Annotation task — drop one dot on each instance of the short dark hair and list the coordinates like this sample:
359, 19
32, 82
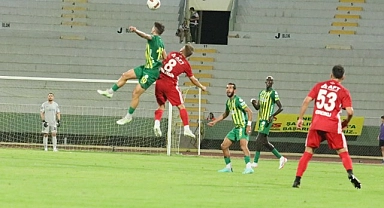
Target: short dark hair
382, 117
51, 93
233, 84
159, 27
192, 9
338, 71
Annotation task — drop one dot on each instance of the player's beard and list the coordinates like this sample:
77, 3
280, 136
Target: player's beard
230, 94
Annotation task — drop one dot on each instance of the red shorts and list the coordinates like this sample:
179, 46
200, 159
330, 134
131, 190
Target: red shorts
165, 91
335, 140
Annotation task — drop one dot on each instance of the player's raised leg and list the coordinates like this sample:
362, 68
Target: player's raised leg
130, 74
137, 92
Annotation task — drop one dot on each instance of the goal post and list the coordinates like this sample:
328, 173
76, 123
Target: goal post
86, 127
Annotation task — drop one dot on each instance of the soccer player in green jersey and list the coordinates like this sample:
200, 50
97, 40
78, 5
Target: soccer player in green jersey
265, 105
242, 119
146, 74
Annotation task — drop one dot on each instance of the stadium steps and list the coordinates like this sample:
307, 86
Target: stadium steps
195, 117
352, 1
195, 100
76, 1
203, 72
72, 37
196, 92
191, 84
202, 67
74, 19
195, 109
343, 21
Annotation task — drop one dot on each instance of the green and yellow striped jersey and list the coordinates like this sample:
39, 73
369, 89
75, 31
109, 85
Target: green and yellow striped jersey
236, 107
153, 52
267, 100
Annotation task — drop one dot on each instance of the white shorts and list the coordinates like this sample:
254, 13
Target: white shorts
48, 129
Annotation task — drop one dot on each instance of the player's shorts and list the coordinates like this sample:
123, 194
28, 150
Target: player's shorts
238, 133
48, 129
171, 92
335, 140
381, 143
146, 76
264, 127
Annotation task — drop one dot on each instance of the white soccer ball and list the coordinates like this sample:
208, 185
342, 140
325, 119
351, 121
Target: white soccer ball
153, 4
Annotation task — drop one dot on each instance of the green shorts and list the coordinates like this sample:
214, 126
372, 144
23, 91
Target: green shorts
238, 133
264, 127
146, 76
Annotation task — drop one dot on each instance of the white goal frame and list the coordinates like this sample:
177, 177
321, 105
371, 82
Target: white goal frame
170, 110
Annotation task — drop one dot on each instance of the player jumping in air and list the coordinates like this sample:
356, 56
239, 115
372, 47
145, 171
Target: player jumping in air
167, 86
330, 98
146, 74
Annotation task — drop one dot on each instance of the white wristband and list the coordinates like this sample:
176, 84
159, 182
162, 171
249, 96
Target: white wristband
249, 123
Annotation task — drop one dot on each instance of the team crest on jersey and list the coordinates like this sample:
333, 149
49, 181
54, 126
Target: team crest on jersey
242, 103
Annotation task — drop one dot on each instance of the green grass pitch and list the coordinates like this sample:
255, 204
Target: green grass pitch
32, 178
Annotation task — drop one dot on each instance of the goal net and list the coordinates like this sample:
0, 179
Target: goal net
87, 127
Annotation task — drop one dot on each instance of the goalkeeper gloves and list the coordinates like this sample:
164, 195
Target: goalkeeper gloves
45, 124
58, 123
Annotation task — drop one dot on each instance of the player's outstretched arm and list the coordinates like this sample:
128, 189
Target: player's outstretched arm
220, 118
140, 33
197, 83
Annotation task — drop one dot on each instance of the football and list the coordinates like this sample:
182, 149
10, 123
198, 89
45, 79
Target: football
153, 4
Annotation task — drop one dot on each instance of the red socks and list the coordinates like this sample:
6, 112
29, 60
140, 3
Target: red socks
184, 116
346, 160
158, 114
303, 163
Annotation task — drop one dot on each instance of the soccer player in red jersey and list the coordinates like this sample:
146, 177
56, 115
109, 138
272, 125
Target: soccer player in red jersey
330, 98
167, 87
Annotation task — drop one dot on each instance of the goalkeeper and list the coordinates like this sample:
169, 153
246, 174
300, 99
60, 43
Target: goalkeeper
167, 87
50, 117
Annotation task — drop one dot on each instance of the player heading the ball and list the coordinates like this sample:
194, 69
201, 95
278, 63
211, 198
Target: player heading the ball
147, 74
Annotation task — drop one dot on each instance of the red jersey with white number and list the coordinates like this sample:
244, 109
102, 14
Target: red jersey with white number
330, 97
174, 65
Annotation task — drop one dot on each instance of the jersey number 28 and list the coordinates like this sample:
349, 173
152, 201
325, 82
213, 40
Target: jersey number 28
169, 65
